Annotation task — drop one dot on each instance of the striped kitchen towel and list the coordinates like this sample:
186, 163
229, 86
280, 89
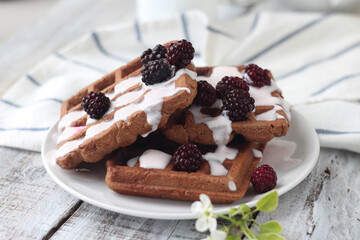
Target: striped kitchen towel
314, 57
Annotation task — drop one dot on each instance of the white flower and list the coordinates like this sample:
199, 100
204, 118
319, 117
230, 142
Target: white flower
216, 235
204, 212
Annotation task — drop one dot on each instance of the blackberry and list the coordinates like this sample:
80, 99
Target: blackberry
259, 76
187, 158
180, 53
156, 71
229, 83
238, 104
95, 104
157, 53
206, 94
263, 179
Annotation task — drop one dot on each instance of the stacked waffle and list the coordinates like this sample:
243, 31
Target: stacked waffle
145, 117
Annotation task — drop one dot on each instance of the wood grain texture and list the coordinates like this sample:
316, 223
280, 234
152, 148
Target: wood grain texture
326, 205
31, 204
90, 222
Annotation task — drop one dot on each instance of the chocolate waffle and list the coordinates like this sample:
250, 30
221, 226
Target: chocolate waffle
210, 126
136, 109
230, 182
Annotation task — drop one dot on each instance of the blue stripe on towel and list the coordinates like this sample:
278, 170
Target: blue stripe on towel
185, 27
331, 132
338, 54
23, 106
25, 129
62, 57
214, 30
335, 83
287, 37
32, 80
104, 51
255, 22
138, 32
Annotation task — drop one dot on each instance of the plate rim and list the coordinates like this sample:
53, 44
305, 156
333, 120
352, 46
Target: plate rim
179, 216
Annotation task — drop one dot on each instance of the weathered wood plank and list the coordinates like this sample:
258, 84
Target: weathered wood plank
66, 21
326, 205
103, 224
31, 204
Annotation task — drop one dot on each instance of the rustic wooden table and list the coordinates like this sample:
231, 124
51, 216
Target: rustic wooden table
326, 205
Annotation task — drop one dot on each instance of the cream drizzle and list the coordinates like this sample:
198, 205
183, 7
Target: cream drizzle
151, 104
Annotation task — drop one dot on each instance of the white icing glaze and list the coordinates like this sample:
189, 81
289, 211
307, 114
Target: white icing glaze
216, 159
68, 132
221, 125
257, 153
232, 186
68, 147
151, 103
67, 119
132, 162
154, 159
221, 153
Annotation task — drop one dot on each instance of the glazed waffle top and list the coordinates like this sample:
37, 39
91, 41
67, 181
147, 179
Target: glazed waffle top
223, 182
136, 109
208, 126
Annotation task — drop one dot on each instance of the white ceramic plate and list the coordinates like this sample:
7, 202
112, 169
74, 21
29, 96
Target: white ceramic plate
90, 185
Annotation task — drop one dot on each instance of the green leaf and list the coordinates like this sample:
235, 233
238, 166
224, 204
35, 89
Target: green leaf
268, 202
270, 227
270, 236
232, 238
244, 208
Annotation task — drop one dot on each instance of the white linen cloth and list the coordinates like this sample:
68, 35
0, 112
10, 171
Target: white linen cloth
315, 59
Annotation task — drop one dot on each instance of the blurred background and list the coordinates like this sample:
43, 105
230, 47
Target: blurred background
17, 15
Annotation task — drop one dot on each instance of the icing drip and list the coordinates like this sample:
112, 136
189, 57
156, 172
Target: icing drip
219, 125
68, 147
216, 159
67, 119
68, 132
151, 104
232, 186
132, 162
154, 159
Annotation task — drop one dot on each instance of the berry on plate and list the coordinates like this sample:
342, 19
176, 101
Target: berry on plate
238, 104
263, 179
228, 83
95, 104
260, 77
157, 53
206, 94
156, 71
187, 158
180, 53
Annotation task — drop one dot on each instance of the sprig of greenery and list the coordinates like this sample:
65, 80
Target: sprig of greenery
242, 217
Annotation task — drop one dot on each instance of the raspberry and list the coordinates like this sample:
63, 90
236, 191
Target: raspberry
206, 94
229, 83
157, 53
180, 53
95, 104
238, 104
187, 158
156, 71
263, 179
259, 76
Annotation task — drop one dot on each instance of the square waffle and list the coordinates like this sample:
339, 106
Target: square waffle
270, 118
126, 178
136, 109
